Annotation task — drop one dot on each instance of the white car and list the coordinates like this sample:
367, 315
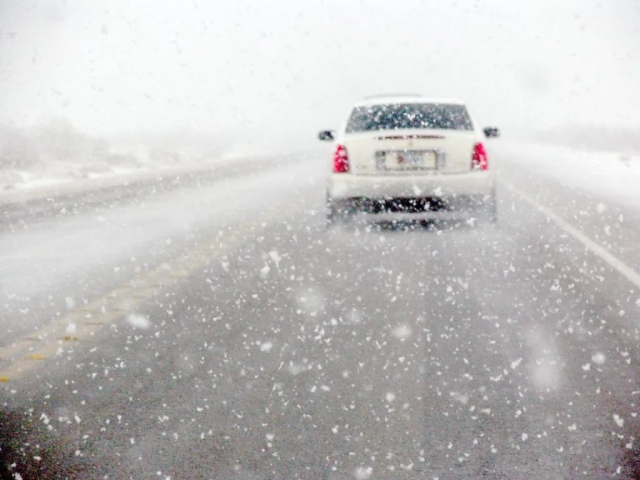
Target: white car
399, 157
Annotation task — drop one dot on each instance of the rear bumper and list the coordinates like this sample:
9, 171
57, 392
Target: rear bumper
398, 209
345, 186
411, 205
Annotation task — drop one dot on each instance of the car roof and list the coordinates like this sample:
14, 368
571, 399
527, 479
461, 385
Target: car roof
405, 98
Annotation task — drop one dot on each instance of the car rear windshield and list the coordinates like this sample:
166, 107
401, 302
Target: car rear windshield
409, 115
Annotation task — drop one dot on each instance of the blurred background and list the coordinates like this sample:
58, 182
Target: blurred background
126, 85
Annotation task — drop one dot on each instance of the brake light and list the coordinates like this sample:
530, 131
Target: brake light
340, 160
479, 159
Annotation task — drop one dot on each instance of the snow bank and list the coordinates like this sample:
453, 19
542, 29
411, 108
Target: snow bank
41, 183
56, 153
60, 172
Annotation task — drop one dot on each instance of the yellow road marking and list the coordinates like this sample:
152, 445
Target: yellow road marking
94, 316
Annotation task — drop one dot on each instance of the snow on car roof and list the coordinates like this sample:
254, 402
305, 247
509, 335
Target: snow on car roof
405, 98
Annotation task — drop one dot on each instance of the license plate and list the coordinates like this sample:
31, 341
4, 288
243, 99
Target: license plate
410, 160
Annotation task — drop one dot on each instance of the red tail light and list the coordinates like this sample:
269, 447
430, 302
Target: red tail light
340, 160
479, 159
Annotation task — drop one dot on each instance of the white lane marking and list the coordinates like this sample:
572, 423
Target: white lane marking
613, 261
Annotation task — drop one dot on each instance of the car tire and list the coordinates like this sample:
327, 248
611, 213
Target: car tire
330, 212
492, 208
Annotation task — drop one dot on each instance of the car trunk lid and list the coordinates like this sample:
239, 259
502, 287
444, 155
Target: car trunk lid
402, 152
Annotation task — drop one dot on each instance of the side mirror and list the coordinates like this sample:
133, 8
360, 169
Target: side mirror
491, 132
326, 135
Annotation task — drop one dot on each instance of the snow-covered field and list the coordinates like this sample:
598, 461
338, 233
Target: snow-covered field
56, 154
613, 175
62, 172
58, 178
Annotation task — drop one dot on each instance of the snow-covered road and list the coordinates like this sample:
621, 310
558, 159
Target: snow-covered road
278, 350
72, 258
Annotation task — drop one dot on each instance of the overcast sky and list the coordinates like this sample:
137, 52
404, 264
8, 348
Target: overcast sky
289, 66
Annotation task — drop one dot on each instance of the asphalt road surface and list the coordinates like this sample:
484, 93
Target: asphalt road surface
216, 330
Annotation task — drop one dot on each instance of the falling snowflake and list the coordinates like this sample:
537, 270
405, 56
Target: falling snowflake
401, 331
618, 419
70, 303
275, 258
362, 473
138, 321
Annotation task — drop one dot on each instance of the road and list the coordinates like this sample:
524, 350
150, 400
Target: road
216, 330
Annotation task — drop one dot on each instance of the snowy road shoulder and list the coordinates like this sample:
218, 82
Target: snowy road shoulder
23, 207
611, 175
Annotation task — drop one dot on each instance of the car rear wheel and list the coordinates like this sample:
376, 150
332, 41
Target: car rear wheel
331, 212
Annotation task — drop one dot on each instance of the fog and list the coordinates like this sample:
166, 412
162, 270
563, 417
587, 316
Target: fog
193, 286
282, 70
